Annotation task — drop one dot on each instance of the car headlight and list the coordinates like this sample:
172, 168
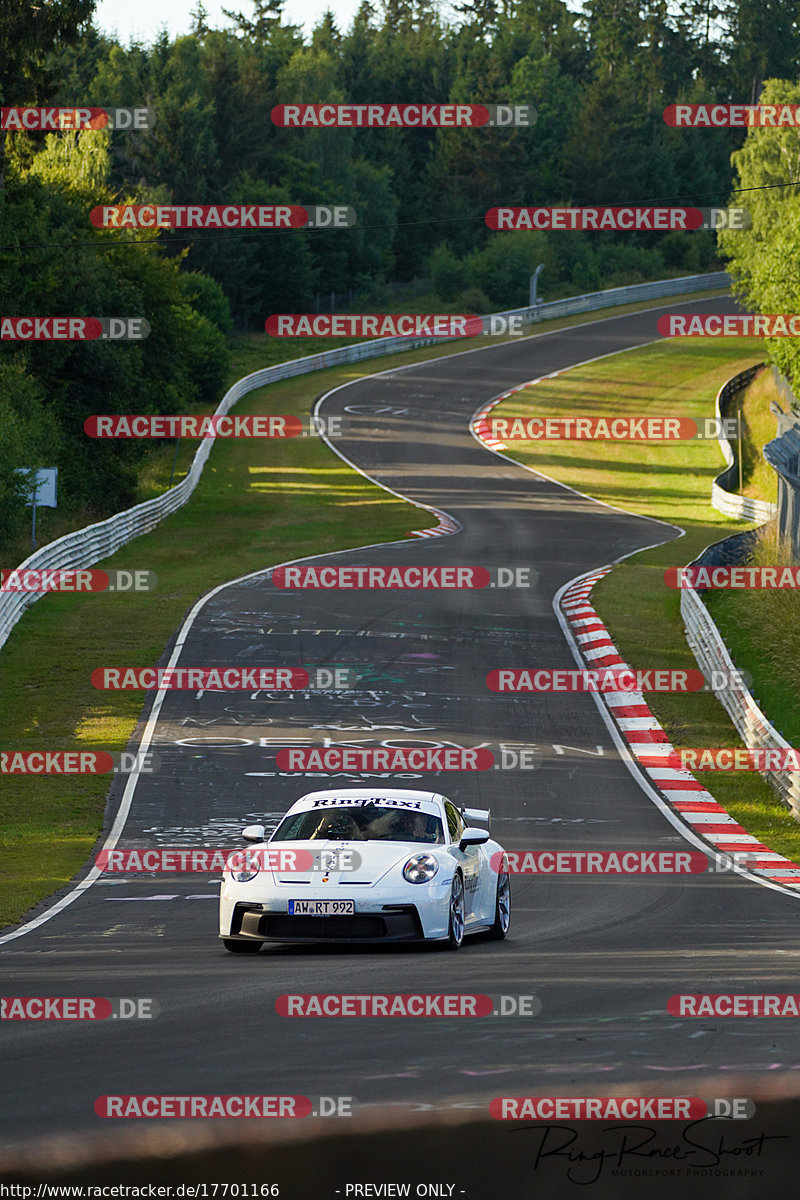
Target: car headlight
420, 868
243, 865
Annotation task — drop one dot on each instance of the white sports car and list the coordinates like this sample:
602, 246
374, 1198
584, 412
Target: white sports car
358, 865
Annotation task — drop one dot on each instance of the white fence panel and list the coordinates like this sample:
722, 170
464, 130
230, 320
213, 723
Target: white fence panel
731, 504
753, 726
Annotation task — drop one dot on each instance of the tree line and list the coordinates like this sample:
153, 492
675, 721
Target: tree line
599, 81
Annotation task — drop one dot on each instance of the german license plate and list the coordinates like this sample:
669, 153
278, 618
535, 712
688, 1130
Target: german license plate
322, 908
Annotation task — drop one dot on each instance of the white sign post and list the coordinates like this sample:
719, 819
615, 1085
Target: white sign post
45, 491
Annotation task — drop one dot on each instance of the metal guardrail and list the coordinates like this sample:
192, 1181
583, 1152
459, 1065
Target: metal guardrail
731, 504
705, 639
612, 297
87, 546
752, 725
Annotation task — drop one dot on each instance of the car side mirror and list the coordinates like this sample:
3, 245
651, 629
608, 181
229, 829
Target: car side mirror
253, 833
473, 837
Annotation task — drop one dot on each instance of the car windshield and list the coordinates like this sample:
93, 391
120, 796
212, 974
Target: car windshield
366, 823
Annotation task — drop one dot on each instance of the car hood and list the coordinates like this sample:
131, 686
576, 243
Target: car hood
374, 859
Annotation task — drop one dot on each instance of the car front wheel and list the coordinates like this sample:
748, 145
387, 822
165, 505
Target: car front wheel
502, 908
455, 930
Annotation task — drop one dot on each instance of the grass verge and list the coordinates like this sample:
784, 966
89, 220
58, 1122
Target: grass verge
759, 481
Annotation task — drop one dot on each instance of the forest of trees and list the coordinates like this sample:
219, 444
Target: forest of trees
599, 81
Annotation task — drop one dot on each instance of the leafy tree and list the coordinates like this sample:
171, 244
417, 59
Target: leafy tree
502, 269
28, 438
266, 17
614, 29
765, 39
28, 33
448, 274
764, 260
599, 82
57, 264
200, 27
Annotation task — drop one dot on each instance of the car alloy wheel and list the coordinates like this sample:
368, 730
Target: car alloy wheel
455, 933
502, 907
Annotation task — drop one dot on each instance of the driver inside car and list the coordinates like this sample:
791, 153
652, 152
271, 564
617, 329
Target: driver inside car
412, 826
338, 826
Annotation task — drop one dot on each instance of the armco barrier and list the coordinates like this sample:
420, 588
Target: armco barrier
754, 729
725, 501
85, 547
612, 297
705, 639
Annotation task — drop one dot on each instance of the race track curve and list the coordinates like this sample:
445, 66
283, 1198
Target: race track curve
602, 955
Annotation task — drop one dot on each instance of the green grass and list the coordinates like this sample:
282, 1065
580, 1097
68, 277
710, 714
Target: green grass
762, 628
672, 482
668, 480
758, 427
256, 504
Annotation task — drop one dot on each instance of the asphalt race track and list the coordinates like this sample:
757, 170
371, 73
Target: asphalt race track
602, 955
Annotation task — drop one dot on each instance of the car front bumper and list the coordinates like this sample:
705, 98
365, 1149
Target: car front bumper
393, 923
411, 912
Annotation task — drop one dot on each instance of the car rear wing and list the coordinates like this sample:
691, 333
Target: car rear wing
476, 814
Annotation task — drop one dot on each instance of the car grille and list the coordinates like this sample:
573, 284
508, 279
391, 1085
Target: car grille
362, 925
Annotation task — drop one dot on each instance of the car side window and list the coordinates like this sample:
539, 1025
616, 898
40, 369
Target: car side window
455, 826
